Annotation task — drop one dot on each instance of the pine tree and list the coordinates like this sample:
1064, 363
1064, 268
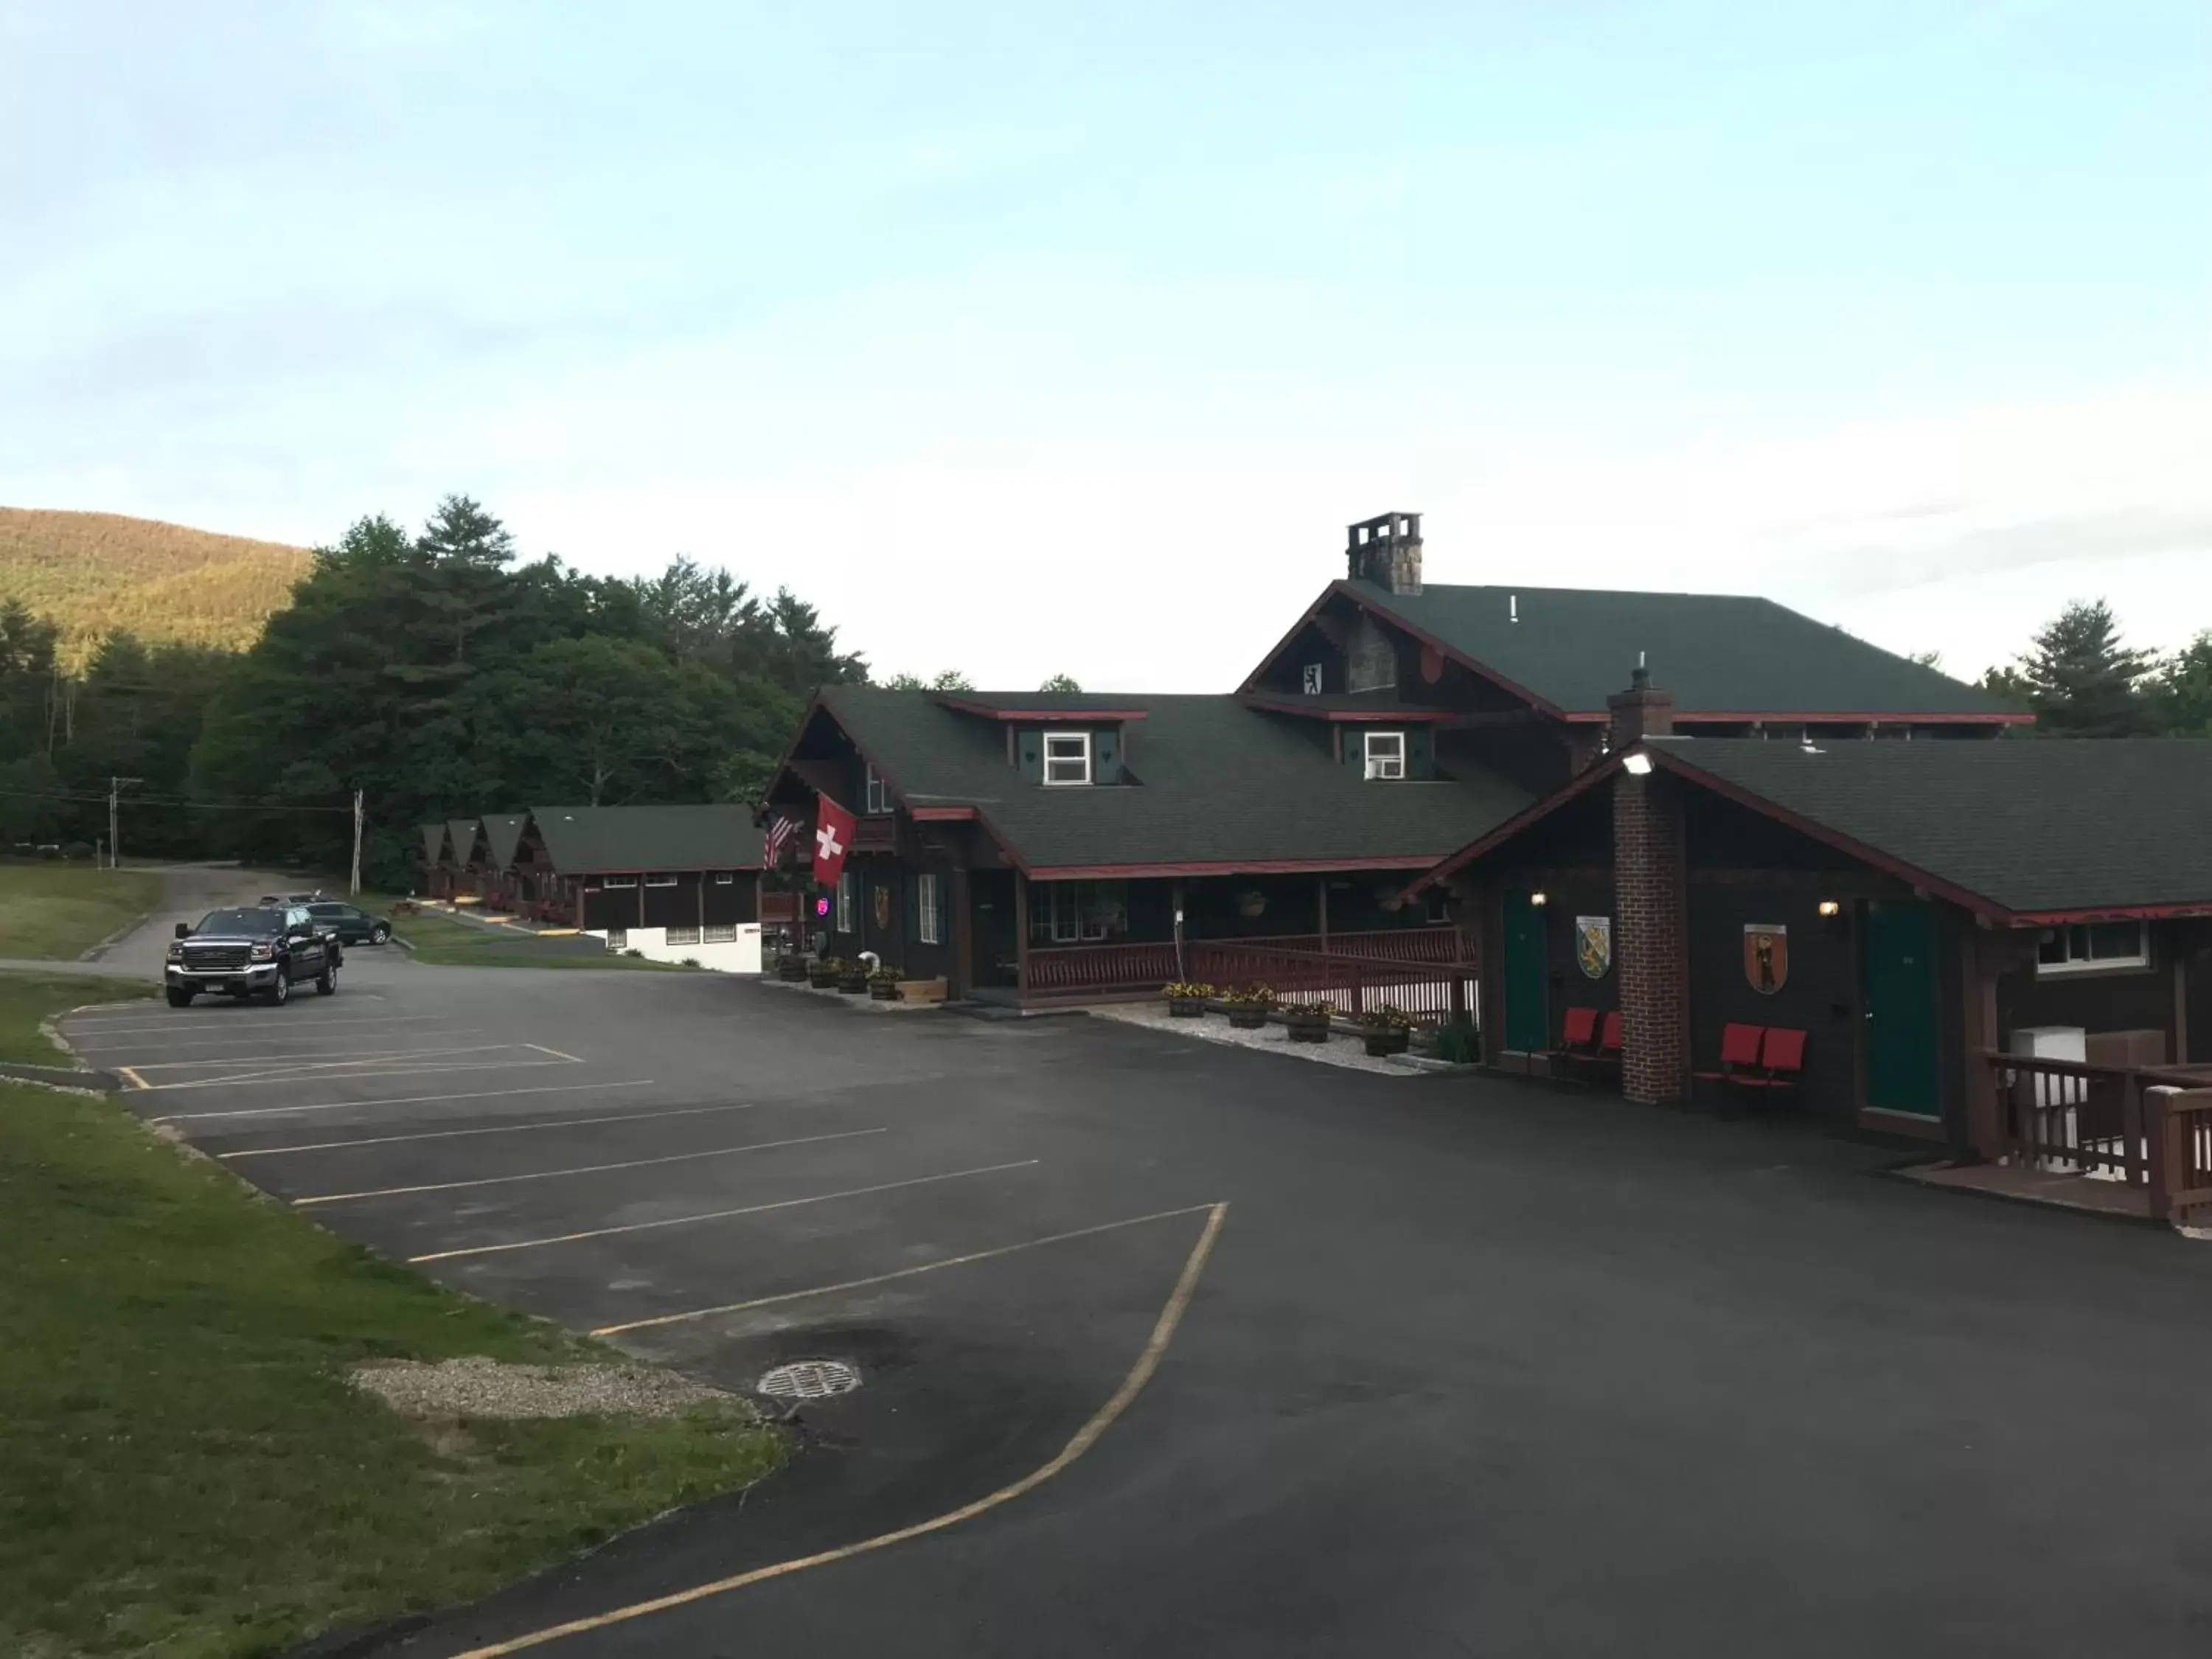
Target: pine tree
2080, 681
2180, 693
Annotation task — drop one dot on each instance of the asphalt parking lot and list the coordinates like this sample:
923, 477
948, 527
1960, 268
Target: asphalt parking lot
1462, 1367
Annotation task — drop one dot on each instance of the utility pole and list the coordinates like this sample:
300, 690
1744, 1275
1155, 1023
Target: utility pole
355, 890
114, 838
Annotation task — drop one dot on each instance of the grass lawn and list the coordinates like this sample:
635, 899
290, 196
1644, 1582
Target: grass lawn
184, 1468
446, 943
27, 999
63, 910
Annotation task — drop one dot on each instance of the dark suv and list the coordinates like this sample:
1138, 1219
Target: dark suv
249, 953
352, 924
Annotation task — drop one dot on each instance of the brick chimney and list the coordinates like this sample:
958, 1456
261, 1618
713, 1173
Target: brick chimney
1639, 711
1386, 552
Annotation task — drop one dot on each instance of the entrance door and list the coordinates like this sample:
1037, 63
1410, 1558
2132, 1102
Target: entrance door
1897, 972
1528, 1010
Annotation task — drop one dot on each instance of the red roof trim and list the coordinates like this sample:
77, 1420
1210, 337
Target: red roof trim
1271, 704
2110, 913
942, 814
1224, 868
1050, 715
1803, 717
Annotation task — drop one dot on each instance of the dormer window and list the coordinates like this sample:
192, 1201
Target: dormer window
879, 793
1386, 754
1066, 757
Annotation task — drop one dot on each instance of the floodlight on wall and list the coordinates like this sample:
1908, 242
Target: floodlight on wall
1830, 908
1539, 899
1637, 765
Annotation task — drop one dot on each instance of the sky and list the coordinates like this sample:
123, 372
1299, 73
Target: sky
1026, 339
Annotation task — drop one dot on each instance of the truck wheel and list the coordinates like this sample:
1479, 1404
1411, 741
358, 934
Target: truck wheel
180, 999
327, 981
280, 992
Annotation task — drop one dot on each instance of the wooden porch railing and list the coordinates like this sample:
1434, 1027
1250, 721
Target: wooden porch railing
2180, 1161
1421, 971
2138, 1125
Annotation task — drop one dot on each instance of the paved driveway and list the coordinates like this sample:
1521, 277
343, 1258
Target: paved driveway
1471, 1369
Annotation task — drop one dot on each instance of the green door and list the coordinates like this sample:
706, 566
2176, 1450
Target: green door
1528, 1015
1897, 969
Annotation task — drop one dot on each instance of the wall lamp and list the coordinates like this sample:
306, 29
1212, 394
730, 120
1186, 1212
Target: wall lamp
1830, 908
1637, 765
1539, 899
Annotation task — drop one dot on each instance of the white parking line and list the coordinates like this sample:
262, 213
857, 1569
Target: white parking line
455, 1134
902, 1273
587, 1169
256, 1080
403, 1100
713, 1215
332, 1059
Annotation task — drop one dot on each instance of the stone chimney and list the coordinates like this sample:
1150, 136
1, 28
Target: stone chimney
1639, 711
1386, 552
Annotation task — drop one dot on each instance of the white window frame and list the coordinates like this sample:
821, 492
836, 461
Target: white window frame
718, 932
613, 883
617, 938
1067, 920
724, 877
2088, 964
1082, 739
662, 881
878, 793
682, 936
925, 899
844, 917
1386, 767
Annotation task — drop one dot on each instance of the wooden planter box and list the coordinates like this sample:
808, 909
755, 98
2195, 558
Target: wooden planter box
1248, 1019
821, 979
883, 990
852, 984
921, 990
1187, 1007
1307, 1029
1385, 1042
792, 971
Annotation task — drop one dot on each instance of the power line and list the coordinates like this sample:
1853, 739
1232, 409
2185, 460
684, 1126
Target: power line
178, 800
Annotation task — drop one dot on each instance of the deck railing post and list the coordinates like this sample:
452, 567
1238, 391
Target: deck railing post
2167, 1155
2132, 1128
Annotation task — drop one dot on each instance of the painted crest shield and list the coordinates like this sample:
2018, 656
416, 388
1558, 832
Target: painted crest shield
1593, 945
1766, 955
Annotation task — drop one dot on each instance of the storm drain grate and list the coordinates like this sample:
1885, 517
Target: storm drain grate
809, 1379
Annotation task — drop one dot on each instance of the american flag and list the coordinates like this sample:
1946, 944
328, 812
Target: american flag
781, 828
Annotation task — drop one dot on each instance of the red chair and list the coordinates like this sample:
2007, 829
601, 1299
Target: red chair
1578, 1040
1740, 1046
1609, 1043
1781, 1058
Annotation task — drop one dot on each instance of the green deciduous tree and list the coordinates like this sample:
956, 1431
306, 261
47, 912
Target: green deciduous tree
2180, 691
1060, 683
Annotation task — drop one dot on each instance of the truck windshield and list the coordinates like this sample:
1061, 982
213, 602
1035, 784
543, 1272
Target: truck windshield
241, 921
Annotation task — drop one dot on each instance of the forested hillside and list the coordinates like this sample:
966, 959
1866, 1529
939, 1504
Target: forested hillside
437, 673
96, 573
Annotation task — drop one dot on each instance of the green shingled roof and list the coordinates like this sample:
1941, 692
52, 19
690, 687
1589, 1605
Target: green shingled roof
502, 834
1218, 783
2032, 825
433, 842
464, 834
581, 840
1715, 653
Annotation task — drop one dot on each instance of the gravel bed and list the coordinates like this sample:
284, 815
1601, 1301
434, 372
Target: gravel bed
1339, 1050
477, 1386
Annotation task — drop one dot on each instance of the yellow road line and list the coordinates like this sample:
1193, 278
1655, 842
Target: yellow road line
556, 1052
245, 1037
131, 1076
495, 1129
903, 1273
371, 1070
401, 1100
587, 1169
712, 1215
1148, 1362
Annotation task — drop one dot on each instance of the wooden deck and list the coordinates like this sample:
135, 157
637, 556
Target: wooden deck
2065, 1192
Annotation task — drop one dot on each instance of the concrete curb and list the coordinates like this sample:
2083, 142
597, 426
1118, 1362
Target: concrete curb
117, 937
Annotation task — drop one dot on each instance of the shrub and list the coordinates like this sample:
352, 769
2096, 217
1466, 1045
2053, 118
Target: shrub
1189, 990
1321, 1009
690, 962
1389, 1017
887, 970
1252, 996
1459, 1043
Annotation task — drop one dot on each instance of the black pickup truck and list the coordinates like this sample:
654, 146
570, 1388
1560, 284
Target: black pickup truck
258, 952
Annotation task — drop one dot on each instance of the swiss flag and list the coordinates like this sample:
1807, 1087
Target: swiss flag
833, 839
